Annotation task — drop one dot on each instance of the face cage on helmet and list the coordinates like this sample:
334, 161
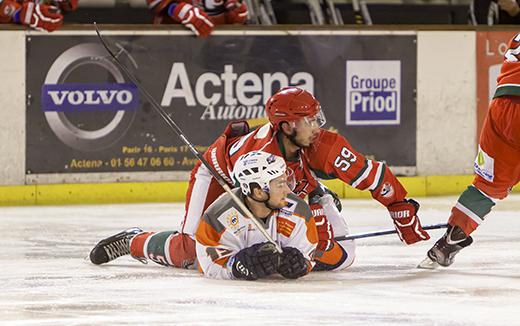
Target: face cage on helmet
319, 119
316, 121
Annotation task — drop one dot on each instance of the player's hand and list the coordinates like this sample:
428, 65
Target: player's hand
325, 232
321, 191
236, 12
193, 18
40, 17
67, 5
406, 222
292, 263
255, 262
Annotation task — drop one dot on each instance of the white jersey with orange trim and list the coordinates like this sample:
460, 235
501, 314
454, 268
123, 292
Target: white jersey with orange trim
224, 231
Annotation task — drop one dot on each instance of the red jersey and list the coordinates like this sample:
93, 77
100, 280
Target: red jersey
509, 78
330, 157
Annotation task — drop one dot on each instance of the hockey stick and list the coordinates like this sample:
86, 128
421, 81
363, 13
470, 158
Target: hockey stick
385, 232
169, 121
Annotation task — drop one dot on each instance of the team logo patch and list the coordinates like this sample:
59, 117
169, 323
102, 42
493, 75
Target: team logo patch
285, 227
232, 220
484, 165
387, 191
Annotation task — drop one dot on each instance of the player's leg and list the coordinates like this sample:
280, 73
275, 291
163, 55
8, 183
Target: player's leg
497, 171
342, 253
143, 246
169, 248
113, 247
177, 249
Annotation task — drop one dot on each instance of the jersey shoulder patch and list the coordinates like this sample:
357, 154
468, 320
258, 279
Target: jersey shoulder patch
297, 207
223, 205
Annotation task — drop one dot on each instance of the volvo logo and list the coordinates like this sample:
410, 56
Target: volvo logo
60, 98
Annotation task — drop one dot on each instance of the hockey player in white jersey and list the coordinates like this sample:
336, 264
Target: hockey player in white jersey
229, 245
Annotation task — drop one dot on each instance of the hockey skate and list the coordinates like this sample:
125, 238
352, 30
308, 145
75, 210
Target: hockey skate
445, 249
113, 247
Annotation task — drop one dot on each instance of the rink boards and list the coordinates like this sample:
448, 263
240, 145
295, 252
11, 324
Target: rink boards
443, 132
138, 192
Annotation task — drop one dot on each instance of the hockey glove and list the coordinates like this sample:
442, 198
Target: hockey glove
255, 262
320, 191
292, 263
191, 17
236, 12
40, 17
325, 232
406, 222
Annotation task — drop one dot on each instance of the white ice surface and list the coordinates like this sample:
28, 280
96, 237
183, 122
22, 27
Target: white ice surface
45, 279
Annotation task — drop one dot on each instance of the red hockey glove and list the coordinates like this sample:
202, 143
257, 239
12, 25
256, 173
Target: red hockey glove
67, 5
40, 17
236, 12
193, 18
325, 232
406, 222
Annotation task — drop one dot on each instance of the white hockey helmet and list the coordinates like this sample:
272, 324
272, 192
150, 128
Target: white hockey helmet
259, 168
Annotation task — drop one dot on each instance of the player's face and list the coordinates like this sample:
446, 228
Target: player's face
278, 191
307, 131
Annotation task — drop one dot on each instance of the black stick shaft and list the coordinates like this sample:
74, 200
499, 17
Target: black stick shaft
171, 123
385, 232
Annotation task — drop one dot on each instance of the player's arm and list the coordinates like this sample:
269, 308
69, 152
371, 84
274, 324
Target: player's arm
212, 254
296, 260
38, 16
217, 153
184, 13
221, 257
333, 157
331, 255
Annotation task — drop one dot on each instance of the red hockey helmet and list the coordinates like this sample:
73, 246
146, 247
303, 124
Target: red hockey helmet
291, 104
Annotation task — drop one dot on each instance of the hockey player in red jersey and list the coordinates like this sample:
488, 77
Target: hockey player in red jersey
40, 15
497, 165
200, 16
294, 133
229, 245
